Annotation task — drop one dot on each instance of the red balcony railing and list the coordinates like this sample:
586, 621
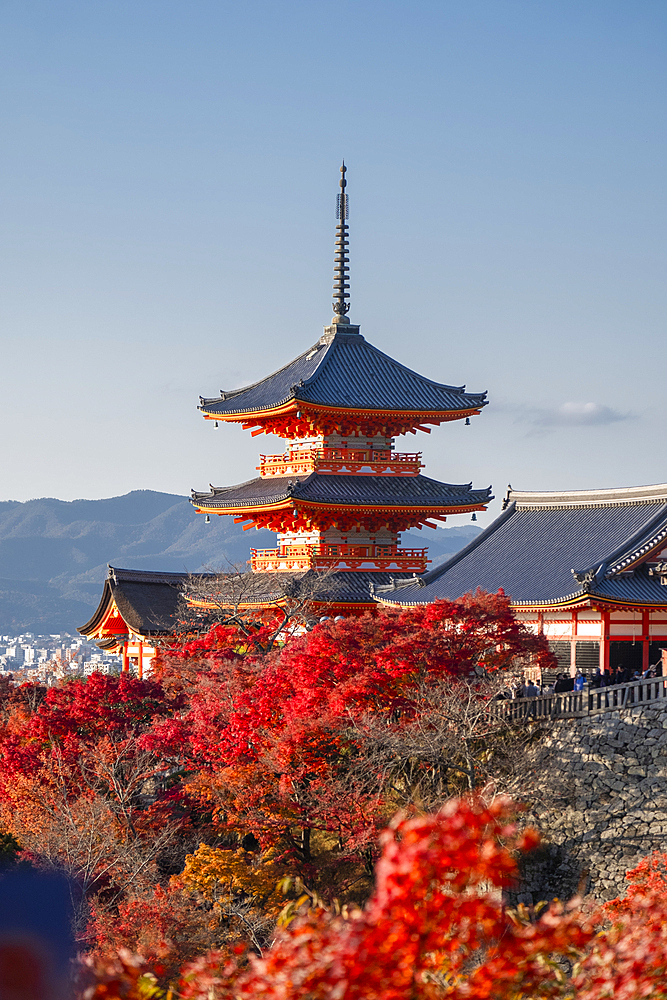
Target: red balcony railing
370, 558
339, 461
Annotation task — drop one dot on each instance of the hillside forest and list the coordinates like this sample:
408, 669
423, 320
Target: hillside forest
336, 817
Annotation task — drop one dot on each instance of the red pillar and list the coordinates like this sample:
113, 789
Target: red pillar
604, 642
645, 640
540, 631
126, 662
140, 661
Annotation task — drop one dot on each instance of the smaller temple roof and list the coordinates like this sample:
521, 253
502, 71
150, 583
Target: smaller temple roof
148, 602
343, 371
339, 588
341, 491
558, 548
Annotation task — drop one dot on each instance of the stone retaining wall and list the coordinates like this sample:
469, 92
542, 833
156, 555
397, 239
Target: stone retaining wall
600, 801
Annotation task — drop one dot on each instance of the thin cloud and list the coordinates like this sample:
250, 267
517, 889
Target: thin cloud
573, 414
580, 414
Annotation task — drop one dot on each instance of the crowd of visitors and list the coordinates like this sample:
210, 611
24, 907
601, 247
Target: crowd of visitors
526, 688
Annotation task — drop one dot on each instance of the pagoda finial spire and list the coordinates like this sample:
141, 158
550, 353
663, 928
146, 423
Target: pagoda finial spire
341, 259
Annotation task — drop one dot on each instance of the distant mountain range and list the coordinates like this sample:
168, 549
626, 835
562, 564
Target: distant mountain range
54, 553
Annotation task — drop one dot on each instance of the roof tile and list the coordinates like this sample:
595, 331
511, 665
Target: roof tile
532, 551
346, 371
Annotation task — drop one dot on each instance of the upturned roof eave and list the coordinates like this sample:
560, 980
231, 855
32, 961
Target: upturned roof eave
294, 401
460, 498
293, 500
304, 388
233, 393
100, 612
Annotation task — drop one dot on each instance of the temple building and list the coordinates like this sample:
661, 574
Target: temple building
338, 498
137, 608
340, 495
588, 569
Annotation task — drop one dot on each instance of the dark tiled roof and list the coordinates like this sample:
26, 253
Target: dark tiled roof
636, 588
412, 491
341, 588
344, 370
150, 602
550, 548
147, 601
351, 588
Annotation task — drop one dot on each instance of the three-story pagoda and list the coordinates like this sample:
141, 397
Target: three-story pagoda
340, 496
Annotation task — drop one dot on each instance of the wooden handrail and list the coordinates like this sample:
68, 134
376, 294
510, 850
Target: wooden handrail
341, 455
592, 701
371, 551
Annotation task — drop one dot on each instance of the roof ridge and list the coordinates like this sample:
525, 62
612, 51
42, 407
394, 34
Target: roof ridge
345, 340
119, 575
437, 571
225, 395
590, 498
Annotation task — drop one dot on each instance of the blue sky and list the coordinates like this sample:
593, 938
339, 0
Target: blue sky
168, 184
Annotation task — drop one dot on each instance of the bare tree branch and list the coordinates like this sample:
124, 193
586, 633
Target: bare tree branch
285, 602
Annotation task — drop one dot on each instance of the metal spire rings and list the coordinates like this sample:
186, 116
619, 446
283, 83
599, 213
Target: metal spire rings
341, 259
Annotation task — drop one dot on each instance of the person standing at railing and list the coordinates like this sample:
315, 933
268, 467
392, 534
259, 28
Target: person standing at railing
579, 681
654, 671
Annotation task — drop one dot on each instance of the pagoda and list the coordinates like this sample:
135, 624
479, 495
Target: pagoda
340, 495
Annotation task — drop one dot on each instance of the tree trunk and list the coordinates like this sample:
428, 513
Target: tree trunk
305, 843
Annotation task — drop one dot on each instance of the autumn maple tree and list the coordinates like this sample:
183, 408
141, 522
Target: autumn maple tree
628, 957
280, 742
224, 820
74, 779
435, 926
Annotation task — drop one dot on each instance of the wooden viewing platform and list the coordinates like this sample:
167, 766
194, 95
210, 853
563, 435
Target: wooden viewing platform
577, 704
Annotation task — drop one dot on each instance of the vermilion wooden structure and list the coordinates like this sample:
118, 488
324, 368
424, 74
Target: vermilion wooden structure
340, 495
586, 568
